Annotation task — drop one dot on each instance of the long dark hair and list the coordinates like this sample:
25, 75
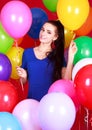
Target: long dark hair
57, 55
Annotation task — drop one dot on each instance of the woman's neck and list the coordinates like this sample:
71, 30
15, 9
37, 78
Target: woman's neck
42, 51
44, 48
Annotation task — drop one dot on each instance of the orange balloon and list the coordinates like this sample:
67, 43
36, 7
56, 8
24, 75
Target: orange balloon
69, 36
86, 27
19, 40
15, 56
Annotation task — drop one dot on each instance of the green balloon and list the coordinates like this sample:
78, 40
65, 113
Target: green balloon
50, 5
84, 45
6, 41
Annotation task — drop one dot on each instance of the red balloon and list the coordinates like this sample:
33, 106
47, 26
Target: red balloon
8, 96
90, 2
83, 85
90, 34
22, 90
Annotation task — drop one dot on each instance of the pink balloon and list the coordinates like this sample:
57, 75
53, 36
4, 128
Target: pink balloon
27, 113
56, 112
16, 18
67, 87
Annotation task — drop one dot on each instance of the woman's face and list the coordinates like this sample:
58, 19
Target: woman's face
48, 33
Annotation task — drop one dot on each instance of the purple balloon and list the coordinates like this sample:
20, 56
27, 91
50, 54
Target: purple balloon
26, 112
56, 112
5, 67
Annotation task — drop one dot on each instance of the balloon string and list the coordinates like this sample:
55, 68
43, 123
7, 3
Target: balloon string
22, 84
86, 117
17, 54
16, 44
74, 36
79, 119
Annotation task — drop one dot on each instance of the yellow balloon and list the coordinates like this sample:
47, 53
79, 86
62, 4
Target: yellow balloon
69, 36
15, 56
72, 13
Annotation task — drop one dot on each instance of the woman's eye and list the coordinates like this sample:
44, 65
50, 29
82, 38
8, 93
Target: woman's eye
42, 29
49, 32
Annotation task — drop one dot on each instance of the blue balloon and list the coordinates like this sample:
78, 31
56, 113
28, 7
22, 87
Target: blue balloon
39, 17
9, 122
5, 67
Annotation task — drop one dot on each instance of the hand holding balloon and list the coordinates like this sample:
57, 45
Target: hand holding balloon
22, 73
72, 51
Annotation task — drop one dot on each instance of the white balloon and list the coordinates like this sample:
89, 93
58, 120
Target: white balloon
81, 63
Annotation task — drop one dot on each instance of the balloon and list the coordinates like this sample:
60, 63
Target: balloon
39, 18
15, 56
81, 63
16, 18
8, 96
84, 45
48, 4
21, 89
5, 67
72, 13
26, 112
69, 36
56, 112
86, 27
6, 41
83, 82
18, 41
67, 87
90, 34
9, 122
90, 2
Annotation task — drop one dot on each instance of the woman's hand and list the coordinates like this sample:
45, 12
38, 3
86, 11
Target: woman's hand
21, 72
72, 51
67, 72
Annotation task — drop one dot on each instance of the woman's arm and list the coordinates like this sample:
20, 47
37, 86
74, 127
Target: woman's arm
67, 72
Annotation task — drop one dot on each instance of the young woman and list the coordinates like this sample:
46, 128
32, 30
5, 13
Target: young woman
44, 64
